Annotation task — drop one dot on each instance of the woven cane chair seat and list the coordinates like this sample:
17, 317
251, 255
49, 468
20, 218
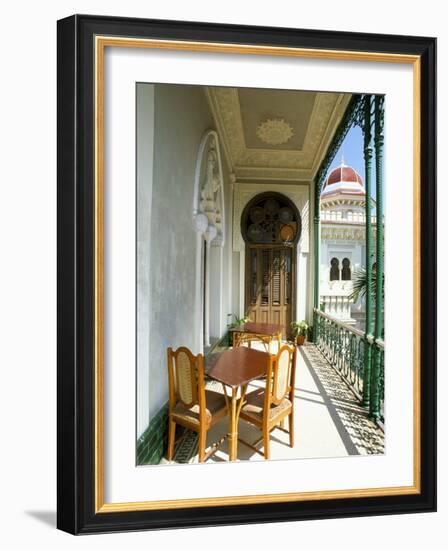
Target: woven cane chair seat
216, 405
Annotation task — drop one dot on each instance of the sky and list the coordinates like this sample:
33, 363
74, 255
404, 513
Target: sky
352, 151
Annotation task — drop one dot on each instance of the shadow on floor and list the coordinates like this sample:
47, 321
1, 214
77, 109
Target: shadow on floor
328, 402
359, 434
48, 517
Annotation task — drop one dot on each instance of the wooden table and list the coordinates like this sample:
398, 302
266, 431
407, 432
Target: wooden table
264, 331
235, 368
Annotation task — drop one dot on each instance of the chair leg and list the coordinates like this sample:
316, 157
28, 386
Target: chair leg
202, 439
291, 429
171, 438
266, 443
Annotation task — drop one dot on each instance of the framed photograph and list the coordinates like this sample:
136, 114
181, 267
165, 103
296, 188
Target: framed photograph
246, 274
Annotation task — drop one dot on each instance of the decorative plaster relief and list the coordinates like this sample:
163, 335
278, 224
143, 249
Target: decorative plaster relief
200, 222
225, 100
344, 233
275, 131
208, 199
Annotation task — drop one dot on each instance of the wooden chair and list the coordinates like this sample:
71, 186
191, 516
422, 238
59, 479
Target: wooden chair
243, 339
267, 407
190, 404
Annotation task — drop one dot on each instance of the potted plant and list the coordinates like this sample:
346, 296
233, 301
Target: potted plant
299, 331
235, 323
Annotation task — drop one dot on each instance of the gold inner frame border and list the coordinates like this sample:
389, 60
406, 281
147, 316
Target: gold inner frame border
101, 42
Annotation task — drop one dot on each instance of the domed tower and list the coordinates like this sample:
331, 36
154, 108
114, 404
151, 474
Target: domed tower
343, 193
343, 239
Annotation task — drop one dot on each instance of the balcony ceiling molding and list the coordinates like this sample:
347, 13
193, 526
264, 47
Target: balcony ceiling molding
314, 124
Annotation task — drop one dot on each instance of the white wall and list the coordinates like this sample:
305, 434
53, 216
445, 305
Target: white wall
332, 248
181, 117
145, 167
169, 315
28, 277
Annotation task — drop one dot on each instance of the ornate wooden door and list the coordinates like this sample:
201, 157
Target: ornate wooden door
270, 288
271, 227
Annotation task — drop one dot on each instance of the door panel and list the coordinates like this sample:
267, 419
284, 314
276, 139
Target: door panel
270, 285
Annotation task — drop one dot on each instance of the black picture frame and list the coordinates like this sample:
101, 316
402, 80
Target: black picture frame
76, 300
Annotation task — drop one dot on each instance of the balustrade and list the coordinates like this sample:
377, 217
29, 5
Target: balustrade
344, 347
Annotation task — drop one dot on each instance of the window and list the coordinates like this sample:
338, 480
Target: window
254, 283
346, 271
334, 270
271, 218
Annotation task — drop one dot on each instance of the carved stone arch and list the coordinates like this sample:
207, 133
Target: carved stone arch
209, 224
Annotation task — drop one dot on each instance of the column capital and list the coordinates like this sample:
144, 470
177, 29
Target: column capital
210, 234
218, 241
200, 222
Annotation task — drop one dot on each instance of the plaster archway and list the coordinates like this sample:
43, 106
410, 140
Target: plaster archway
209, 224
299, 195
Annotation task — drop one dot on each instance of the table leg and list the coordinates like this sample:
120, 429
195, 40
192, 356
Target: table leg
233, 426
233, 421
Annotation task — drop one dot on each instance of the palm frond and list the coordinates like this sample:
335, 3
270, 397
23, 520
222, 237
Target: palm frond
360, 284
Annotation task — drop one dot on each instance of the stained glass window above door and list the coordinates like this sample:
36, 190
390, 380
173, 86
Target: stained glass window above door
271, 219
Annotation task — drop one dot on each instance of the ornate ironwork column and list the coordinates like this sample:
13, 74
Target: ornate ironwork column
367, 130
375, 390
351, 116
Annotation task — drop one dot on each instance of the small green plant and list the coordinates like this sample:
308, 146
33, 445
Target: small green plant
299, 328
237, 321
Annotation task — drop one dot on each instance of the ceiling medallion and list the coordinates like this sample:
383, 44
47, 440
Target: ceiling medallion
275, 131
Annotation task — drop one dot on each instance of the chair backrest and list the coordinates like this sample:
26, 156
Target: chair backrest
280, 378
186, 378
249, 339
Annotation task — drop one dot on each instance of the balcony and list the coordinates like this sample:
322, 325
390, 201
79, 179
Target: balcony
330, 420
352, 217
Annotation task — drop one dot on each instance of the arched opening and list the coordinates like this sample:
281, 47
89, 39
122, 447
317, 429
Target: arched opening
271, 227
334, 269
208, 220
346, 270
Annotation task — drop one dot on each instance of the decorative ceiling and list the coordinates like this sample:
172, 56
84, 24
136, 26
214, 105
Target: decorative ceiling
275, 134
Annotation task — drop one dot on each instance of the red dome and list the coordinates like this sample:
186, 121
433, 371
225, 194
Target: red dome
345, 174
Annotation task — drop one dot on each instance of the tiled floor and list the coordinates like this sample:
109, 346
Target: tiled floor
329, 422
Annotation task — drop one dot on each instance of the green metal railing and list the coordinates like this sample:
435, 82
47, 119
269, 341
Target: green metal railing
357, 356
379, 349
345, 348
